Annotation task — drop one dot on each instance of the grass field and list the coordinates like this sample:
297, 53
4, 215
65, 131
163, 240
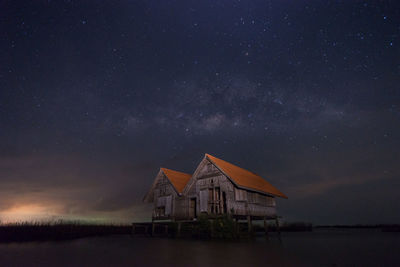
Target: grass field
28, 231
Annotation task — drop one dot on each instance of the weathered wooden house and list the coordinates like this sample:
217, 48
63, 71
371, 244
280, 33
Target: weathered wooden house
216, 187
166, 193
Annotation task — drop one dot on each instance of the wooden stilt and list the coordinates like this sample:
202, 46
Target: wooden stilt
179, 228
277, 226
153, 228
166, 229
236, 226
266, 227
249, 225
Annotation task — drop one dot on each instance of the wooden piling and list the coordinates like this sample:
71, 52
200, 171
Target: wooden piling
212, 227
236, 226
179, 229
249, 224
266, 227
277, 226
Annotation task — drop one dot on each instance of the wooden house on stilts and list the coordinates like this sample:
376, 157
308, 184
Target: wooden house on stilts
166, 193
216, 188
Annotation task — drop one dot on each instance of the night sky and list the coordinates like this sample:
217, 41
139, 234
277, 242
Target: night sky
95, 96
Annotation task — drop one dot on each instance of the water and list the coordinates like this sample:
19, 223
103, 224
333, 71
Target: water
318, 248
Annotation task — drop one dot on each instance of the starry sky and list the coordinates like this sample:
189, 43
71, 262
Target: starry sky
95, 96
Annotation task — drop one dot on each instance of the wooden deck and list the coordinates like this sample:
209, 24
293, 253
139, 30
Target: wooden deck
174, 228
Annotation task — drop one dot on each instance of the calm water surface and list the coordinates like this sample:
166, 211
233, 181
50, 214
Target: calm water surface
318, 248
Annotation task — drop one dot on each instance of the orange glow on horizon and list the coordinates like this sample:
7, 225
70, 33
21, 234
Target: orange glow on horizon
26, 213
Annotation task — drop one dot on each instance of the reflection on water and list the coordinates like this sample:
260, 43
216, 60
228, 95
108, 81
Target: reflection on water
318, 248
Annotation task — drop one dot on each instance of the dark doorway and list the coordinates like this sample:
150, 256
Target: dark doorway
192, 208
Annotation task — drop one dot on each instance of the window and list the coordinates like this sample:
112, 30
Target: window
164, 205
211, 200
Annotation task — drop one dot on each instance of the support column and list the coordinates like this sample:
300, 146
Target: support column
249, 225
277, 226
153, 228
266, 227
166, 229
179, 229
212, 227
236, 226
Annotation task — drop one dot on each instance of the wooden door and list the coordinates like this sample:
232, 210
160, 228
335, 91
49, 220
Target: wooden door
204, 200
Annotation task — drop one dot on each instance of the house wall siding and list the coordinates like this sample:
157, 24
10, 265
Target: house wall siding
164, 196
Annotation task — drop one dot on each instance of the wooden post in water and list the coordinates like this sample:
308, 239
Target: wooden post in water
212, 227
249, 225
166, 229
237, 227
277, 226
179, 229
265, 227
153, 228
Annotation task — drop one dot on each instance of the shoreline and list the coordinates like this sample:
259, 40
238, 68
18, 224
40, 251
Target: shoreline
59, 232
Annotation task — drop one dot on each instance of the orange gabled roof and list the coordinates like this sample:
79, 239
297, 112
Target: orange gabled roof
244, 178
177, 179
